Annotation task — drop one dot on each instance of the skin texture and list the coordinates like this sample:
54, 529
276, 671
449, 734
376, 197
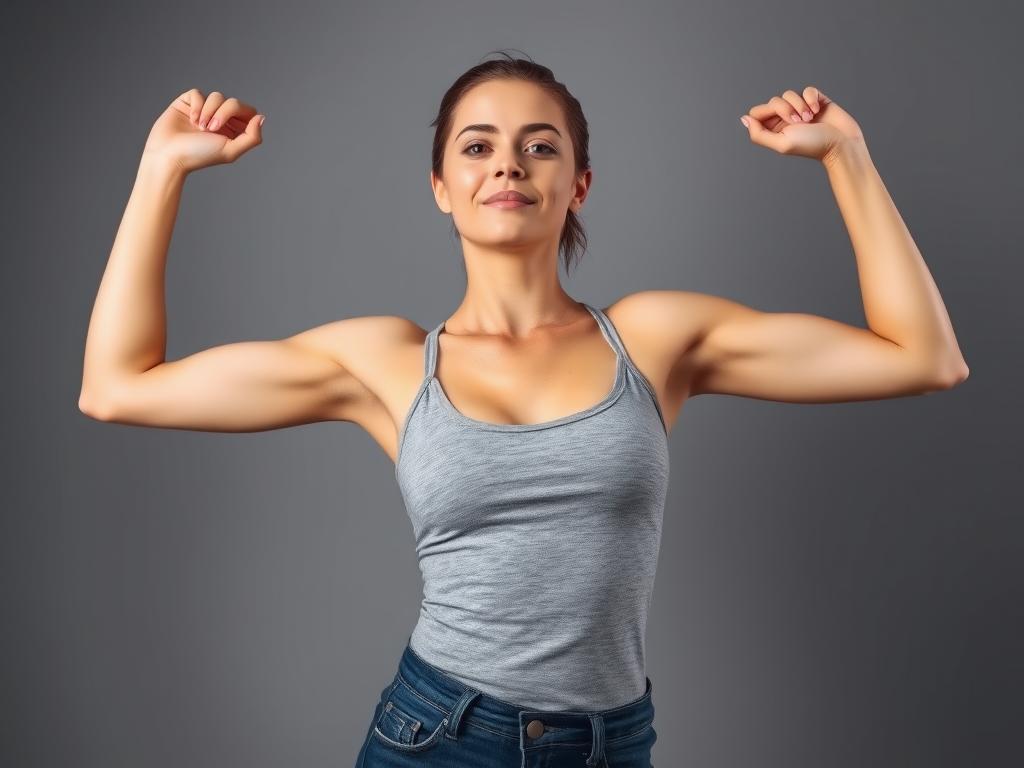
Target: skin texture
518, 349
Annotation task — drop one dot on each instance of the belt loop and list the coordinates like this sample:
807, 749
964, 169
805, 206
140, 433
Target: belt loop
456, 716
597, 749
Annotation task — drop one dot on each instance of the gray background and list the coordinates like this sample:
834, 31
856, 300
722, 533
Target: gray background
839, 585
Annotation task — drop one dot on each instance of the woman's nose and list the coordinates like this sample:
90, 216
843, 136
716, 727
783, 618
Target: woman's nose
510, 165
511, 170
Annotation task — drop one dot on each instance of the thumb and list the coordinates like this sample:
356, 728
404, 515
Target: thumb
251, 137
761, 135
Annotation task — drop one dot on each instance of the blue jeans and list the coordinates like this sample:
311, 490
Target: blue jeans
425, 717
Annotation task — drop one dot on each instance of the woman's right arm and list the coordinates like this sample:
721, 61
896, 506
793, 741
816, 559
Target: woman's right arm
245, 386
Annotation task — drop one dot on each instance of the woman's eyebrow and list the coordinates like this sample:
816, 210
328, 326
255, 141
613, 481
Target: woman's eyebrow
528, 128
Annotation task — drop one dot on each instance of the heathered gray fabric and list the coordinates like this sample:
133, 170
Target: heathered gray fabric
538, 543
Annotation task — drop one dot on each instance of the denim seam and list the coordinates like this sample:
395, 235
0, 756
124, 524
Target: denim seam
470, 721
586, 743
421, 697
629, 735
408, 721
431, 741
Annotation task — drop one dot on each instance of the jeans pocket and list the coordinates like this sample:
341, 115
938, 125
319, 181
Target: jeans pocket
407, 724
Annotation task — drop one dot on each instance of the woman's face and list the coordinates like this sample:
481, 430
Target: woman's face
536, 161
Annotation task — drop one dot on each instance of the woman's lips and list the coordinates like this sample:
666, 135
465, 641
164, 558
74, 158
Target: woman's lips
508, 204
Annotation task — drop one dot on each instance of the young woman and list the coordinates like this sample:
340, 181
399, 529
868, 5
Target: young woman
528, 429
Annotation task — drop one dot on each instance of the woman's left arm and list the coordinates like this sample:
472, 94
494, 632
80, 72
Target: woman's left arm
909, 346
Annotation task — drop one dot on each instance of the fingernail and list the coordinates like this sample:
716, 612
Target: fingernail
213, 124
262, 118
807, 115
745, 121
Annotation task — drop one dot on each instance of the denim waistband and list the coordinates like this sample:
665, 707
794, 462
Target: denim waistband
510, 720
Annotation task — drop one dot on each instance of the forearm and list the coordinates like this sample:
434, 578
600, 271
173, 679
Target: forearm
901, 300
128, 328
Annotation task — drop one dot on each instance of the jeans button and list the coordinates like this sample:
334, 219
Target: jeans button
535, 729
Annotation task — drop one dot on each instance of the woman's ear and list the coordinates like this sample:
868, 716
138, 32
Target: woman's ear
440, 193
582, 189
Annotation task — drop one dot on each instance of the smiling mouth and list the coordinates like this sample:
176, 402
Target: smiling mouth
508, 204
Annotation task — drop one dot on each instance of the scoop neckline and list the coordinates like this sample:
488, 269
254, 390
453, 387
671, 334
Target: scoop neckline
616, 390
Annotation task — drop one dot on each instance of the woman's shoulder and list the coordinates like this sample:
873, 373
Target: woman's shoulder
660, 325
355, 342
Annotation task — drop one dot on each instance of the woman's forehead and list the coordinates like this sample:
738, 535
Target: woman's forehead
507, 105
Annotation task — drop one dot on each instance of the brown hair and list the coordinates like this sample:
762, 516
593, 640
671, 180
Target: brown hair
573, 241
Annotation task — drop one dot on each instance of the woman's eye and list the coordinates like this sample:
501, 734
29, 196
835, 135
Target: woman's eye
544, 146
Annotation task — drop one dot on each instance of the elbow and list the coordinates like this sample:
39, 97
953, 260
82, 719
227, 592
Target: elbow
959, 373
951, 376
95, 407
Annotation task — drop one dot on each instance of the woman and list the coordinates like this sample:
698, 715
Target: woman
528, 430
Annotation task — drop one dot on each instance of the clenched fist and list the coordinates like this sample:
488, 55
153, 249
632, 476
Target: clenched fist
196, 130
806, 125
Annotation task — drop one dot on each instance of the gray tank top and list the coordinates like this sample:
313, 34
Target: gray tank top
538, 543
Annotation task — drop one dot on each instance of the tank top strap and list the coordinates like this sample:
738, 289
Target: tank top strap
613, 336
430, 351
608, 330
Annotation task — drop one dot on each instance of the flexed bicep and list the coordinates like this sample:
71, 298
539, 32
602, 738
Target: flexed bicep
803, 358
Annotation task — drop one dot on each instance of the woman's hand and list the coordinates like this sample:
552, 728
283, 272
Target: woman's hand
196, 131
811, 125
